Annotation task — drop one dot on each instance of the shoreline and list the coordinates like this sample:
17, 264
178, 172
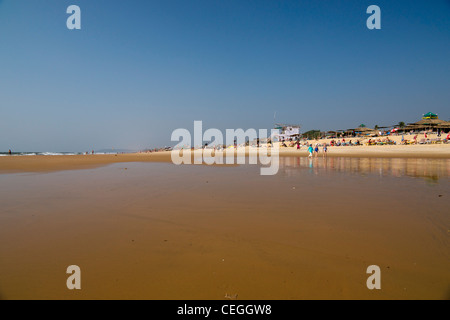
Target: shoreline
41, 163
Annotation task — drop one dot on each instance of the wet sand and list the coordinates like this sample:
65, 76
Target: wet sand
159, 231
10, 164
13, 164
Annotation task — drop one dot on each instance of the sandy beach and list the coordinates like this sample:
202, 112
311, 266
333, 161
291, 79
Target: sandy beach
141, 227
224, 150
74, 162
159, 231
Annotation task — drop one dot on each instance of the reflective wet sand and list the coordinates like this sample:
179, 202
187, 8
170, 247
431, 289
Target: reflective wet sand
158, 231
429, 169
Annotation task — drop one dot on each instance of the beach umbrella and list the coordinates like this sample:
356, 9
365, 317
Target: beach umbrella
426, 124
430, 115
361, 130
430, 122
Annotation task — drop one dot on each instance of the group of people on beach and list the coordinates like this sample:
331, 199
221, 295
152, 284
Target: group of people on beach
345, 143
314, 152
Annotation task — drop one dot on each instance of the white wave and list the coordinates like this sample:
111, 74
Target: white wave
56, 154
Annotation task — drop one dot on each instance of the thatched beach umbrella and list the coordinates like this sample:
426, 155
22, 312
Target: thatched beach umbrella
362, 129
443, 126
425, 124
412, 126
430, 122
331, 133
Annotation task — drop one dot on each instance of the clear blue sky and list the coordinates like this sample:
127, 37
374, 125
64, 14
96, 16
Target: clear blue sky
137, 70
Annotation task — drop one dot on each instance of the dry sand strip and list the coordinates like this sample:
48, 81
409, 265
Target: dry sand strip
14, 164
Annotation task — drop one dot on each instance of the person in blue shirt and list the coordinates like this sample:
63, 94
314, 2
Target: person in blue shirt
310, 150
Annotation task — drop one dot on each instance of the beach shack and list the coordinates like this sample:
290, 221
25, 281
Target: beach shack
430, 122
287, 132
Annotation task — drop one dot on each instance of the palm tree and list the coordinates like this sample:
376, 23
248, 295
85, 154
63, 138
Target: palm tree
376, 127
401, 124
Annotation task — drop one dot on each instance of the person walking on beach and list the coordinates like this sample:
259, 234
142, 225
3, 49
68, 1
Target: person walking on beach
325, 149
298, 145
310, 150
316, 150
9, 152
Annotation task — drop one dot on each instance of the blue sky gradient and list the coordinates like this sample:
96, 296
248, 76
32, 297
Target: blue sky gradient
137, 70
